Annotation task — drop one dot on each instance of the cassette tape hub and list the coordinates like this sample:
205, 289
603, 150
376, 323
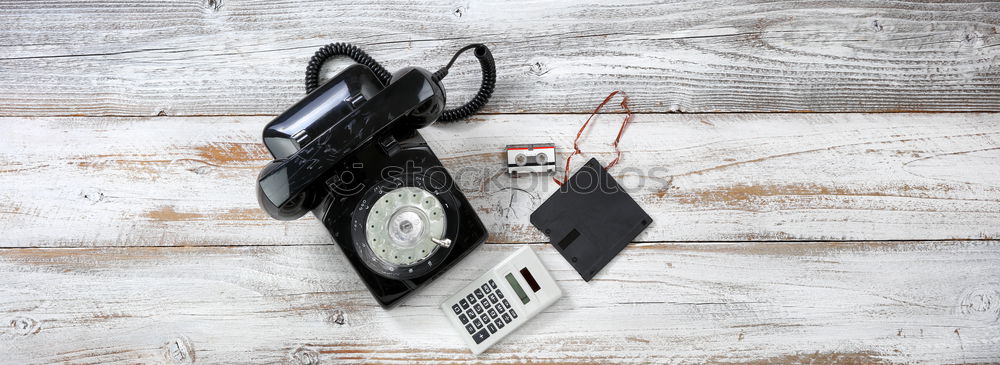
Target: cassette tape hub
531, 158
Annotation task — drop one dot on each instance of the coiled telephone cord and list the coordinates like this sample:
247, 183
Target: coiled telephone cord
471, 107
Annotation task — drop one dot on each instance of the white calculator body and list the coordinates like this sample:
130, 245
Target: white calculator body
499, 301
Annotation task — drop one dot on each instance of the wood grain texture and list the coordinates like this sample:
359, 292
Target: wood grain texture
195, 57
130, 233
811, 302
73, 182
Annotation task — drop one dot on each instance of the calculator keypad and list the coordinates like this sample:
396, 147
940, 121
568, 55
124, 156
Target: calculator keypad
485, 311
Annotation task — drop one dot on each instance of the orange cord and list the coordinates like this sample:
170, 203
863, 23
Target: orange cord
618, 152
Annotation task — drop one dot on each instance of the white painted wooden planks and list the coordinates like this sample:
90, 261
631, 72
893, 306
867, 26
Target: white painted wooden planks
190, 181
248, 57
86, 182
808, 302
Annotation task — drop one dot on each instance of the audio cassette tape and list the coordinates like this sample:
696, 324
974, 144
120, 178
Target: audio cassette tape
529, 158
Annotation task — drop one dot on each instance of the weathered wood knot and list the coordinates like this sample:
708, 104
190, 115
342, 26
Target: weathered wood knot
876, 25
981, 303
179, 350
215, 5
538, 68
973, 39
92, 194
336, 317
304, 356
24, 326
200, 170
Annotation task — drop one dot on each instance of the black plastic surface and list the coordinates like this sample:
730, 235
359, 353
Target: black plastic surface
299, 170
412, 163
320, 110
351, 141
590, 219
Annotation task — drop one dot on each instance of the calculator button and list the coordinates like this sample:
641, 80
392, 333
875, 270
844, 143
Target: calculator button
499, 323
486, 288
506, 317
456, 308
501, 309
481, 336
493, 313
493, 298
478, 323
493, 284
513, 313
499, 294
471, 298
479, 308
505, 304
463, 318
492, 328
479, 293
469, 328
470, 314
464, 303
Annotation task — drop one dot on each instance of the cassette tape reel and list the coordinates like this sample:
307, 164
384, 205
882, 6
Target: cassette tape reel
531, 158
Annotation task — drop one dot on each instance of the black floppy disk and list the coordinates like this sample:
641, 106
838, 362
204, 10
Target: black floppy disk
590, 219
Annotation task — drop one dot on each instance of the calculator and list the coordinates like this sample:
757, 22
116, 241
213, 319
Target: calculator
499, 301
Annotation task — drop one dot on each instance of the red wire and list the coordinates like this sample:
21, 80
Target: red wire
621, 131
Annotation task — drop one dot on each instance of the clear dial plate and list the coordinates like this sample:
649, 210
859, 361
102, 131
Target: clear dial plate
403, 224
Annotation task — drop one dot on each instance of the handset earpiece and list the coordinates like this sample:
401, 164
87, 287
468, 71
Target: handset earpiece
428, 112
294, 208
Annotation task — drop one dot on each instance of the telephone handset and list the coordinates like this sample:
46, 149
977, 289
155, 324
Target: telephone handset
399, 99
350, 109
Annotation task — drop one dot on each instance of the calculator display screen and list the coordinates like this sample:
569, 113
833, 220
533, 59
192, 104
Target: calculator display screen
530, 279
517, 288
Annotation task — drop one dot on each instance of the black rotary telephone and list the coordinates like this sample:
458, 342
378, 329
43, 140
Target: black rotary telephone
350, 153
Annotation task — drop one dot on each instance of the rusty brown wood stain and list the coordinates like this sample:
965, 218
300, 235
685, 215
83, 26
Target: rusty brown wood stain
744, 193
168, 213
232, 153
863, 357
